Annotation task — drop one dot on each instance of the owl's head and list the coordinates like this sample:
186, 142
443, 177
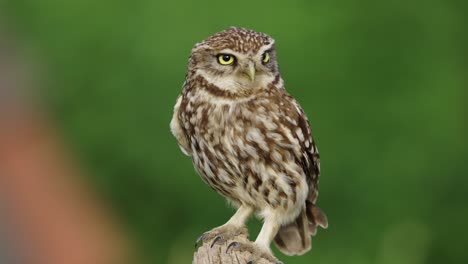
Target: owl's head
237, 60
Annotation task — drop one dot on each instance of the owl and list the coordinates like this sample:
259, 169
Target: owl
250, 141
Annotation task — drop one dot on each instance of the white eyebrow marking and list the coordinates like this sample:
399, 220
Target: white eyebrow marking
230, 51
265, 48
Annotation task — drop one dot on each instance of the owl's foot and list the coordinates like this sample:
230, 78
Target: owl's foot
256, 251
222, 234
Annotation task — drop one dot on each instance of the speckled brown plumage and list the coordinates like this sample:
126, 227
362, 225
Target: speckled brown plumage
237, 39
249, 139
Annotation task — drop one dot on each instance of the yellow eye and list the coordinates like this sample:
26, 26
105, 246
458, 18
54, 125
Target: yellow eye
265, 57
225, 59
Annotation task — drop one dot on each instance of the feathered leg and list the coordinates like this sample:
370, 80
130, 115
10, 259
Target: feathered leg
234, 227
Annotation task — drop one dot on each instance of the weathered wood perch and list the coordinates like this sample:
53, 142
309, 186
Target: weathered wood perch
217, 254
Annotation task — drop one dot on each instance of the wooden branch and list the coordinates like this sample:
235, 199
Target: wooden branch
217, 254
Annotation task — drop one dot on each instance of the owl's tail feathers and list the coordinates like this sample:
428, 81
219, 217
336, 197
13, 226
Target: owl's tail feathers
294, 238
316, 217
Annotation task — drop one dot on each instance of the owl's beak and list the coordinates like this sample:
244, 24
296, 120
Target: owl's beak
251, 71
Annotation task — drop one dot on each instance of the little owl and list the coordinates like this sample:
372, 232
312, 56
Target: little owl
250, 141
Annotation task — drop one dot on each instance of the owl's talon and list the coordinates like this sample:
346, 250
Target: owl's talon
232, 245
217, 239
221, 234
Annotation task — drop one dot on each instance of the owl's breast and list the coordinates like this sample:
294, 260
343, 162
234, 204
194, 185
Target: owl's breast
244, 152
209, 135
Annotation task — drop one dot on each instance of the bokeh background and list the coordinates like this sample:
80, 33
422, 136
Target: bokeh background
384, 83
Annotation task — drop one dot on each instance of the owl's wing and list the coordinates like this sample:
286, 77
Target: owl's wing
178, 130
308, 157
310, 162
294, 238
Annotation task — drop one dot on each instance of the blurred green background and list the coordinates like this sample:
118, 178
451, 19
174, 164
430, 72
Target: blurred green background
384, 84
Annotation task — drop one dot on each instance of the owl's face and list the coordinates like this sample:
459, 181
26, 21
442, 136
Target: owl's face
237, 60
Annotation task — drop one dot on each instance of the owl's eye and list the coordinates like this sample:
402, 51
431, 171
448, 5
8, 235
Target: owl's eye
225, 59
265, 57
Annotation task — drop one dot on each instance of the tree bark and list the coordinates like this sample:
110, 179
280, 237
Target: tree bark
217, 254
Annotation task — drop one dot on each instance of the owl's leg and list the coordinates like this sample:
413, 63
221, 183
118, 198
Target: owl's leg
261, 247
269, 229
234, 227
